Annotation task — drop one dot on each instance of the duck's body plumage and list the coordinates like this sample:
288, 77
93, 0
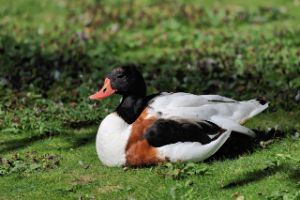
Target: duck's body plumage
174, 127
147, 130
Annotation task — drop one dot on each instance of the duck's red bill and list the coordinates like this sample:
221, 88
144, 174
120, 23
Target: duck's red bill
106, 91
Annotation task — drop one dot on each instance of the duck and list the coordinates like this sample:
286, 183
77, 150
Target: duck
166, 127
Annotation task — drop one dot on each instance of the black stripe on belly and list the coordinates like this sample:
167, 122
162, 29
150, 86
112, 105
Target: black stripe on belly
222, 101
166, 131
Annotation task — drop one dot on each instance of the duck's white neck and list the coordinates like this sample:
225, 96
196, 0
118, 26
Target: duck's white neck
111, 140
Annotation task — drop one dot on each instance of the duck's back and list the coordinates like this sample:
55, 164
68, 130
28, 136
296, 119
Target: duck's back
204, 107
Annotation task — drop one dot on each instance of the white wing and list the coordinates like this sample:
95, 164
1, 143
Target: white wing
181, 99
225, 112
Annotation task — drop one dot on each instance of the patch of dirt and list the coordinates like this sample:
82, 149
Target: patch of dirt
84, 180
108, 188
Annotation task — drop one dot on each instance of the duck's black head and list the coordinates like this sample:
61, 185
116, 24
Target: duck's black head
125, 80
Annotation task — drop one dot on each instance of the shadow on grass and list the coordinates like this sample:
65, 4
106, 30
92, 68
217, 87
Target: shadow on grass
295, 175
16, 144
259, 174
80, 124
19, 61
75, 141
80, 141
253, 176
239, 144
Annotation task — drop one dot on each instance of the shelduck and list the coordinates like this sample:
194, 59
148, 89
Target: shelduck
166, 127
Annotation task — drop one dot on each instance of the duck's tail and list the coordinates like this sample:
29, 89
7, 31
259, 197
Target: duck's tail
257, 106
233, 126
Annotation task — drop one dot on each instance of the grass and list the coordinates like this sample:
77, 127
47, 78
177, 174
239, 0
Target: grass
53, 54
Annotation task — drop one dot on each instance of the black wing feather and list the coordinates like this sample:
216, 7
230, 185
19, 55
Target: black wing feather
165, 131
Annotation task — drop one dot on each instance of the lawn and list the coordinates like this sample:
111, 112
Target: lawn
55, 53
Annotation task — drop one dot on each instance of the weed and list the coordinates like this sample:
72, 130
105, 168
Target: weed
184, 170
28, 163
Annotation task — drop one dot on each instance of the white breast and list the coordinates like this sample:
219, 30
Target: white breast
111, 141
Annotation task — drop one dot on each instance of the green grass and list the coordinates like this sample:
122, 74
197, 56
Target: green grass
79, 173
54, 54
